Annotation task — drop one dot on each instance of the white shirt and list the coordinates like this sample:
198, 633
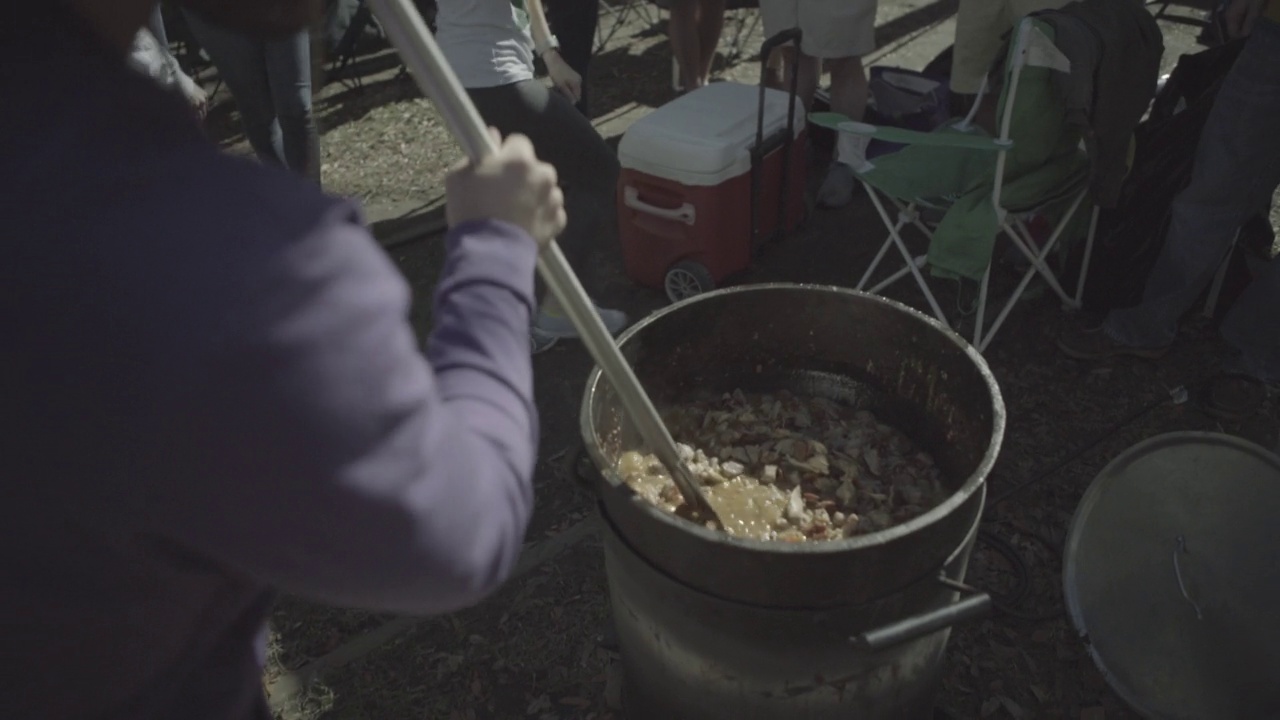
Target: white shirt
147, 57
487, 42
153, 60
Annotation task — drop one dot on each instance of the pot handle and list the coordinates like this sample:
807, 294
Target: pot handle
970, 608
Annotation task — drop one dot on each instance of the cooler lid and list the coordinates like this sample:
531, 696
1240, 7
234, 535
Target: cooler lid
704, 137
1172, 576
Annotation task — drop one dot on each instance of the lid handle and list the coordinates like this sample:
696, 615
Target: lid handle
1180, 547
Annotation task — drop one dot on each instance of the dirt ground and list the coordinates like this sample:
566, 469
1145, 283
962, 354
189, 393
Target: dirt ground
534, 649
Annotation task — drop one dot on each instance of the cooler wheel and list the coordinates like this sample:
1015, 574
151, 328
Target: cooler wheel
686, 279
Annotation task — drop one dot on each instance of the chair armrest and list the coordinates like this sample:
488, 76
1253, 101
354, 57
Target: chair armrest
841, 123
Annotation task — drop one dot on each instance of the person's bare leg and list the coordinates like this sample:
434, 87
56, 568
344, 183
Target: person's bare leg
809, 70
682, 30
848, 87
778, 67
849, 98
710, 25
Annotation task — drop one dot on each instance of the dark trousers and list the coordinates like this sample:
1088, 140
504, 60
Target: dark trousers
587, 167
271, 83
574, 22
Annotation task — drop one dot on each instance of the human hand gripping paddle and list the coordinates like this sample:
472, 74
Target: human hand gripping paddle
411, 38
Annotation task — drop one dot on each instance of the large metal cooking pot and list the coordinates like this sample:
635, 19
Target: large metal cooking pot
689, 656
880, 355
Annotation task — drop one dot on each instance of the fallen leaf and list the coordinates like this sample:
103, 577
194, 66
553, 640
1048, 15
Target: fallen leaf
576, 702
989, 706
1031, 664
542, 703
1014, 708
1042, 635
1093, 713
1040, 693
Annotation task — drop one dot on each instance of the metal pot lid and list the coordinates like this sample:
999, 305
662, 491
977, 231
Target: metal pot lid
1172, 577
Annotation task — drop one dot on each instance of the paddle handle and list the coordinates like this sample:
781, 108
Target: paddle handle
412, 39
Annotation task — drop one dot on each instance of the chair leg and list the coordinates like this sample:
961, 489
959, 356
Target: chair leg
907, 258
906, 214
875, 262
1018, 233
1038, 266
1037, 259
979, 342
1008, 306
919, 262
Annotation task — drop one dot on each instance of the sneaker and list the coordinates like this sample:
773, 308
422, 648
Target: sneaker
540, 341
549, 326
837, 188
1095, 344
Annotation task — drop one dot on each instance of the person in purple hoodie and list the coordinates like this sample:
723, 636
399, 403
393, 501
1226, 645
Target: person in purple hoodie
211, 392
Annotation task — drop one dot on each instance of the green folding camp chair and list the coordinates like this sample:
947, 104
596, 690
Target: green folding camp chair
1037, 164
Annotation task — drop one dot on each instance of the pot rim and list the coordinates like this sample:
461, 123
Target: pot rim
972, 483
608, 525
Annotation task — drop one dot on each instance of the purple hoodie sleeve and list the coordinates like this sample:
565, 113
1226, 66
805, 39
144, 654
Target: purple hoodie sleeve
325, 456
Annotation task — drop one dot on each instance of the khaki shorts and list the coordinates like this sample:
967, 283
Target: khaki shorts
980, 27
829, 29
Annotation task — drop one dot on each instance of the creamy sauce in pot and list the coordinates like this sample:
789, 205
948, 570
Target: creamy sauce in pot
790, 468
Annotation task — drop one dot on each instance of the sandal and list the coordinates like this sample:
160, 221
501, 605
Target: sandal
1234, 396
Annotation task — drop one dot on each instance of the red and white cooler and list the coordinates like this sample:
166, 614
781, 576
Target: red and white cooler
697, 173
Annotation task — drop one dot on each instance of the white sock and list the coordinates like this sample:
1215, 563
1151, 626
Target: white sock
851, 150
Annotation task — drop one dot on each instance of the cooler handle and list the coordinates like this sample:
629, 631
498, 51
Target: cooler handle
685, 213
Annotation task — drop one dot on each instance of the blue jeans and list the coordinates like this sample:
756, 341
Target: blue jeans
1237, 169
271, 83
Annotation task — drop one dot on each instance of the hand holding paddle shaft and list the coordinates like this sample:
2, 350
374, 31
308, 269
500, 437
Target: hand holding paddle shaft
412, 39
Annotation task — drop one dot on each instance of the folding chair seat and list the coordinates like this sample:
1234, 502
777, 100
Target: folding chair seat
986, 185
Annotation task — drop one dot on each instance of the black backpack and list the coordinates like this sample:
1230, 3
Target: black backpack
1131, 234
